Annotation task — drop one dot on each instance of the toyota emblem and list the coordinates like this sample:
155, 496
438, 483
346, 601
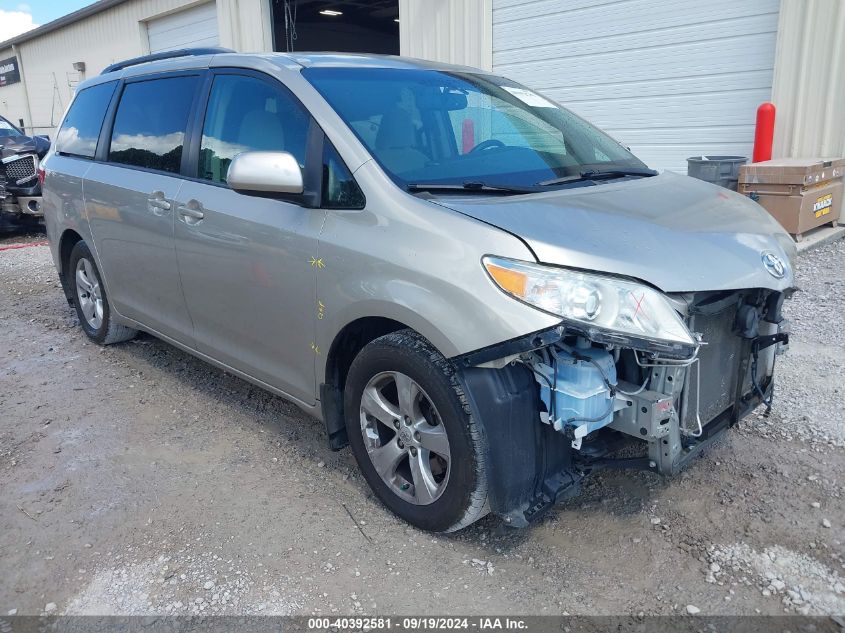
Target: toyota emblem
774, 264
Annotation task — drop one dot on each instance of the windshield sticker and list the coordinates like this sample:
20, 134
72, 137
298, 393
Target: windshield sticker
529, 98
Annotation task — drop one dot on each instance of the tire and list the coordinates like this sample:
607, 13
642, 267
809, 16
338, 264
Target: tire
90, 299
453, 492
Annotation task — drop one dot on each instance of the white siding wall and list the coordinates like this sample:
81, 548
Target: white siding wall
112, 35
195, 26
12, 98
669, 79
245, 25
99, 40
809, 85
450, 31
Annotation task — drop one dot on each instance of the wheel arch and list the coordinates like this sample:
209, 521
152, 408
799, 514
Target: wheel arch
67, 241
348, 342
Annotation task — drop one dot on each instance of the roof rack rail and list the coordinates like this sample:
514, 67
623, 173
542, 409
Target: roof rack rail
182, 52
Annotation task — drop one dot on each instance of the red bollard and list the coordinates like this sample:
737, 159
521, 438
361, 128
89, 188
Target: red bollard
764, 133
468, 135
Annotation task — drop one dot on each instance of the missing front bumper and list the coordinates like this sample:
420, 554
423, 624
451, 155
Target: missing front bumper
532, 467
665, 411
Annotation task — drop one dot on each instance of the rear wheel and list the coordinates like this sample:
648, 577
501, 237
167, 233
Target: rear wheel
411, 431
90, 299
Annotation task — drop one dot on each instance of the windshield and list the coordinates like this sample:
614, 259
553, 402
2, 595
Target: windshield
7, 127
428, 126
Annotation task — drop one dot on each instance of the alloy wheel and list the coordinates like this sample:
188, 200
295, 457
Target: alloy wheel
405, 437
88, 293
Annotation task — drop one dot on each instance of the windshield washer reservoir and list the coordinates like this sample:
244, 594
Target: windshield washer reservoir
576, 389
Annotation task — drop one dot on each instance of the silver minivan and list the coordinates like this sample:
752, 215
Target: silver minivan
483, 295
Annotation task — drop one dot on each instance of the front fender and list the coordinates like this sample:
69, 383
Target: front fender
426, 274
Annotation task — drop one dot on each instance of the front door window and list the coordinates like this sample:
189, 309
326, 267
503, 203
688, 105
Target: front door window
247, 114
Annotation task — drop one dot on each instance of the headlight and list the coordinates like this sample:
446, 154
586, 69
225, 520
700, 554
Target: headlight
606, 309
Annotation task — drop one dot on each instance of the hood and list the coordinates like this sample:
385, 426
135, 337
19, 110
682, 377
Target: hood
674, 232
10, 145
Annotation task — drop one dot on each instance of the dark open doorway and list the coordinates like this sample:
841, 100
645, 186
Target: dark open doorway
351, 26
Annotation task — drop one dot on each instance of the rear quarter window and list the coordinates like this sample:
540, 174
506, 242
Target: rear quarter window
81, 127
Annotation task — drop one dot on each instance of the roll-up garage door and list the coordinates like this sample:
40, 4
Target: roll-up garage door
669, 79
192, 27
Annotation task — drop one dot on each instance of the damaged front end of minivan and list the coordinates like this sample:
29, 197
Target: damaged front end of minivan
631, 378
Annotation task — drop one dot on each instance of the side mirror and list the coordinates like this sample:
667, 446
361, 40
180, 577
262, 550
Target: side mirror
265, 172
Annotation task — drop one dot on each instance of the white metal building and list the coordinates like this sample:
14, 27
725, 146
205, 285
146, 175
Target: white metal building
669, 79
676, 81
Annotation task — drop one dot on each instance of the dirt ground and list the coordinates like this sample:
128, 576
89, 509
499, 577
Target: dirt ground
135, 479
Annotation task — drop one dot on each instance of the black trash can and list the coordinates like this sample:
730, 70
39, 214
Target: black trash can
720, 170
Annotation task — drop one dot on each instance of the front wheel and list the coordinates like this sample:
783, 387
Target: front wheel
90, 299
412, 433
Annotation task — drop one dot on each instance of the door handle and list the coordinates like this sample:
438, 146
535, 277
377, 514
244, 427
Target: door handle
156, 203
191, 212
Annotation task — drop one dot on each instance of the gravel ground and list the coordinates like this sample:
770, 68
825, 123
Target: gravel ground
135, 479
808, 407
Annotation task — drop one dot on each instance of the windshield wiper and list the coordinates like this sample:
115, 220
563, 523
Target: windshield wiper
468, 187
598, 174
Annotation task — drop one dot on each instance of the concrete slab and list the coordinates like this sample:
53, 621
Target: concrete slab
817, 237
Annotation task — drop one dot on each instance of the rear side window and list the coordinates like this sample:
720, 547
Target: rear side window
151, 121
81, 127
247, 114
